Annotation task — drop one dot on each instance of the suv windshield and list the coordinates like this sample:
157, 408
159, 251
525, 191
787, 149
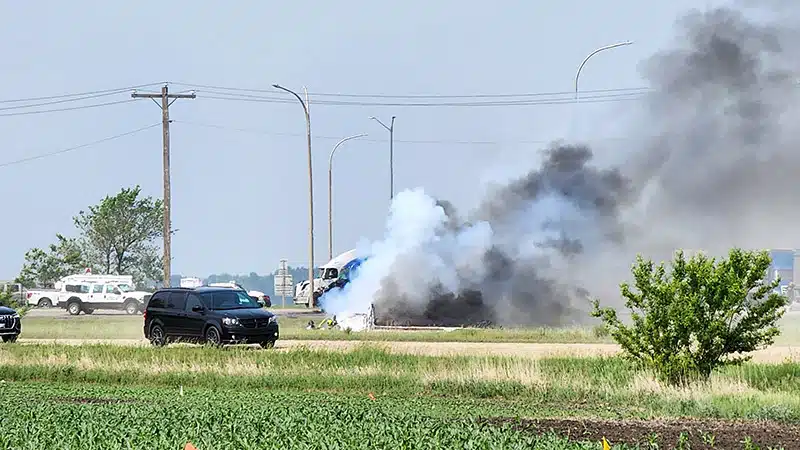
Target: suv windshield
124, 288
232, 300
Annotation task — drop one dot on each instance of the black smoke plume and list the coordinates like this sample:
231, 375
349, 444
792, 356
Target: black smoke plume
711, 162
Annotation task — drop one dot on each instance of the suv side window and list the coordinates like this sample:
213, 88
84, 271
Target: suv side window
97, 289
177, 300
191, 301
158, 300
207, 299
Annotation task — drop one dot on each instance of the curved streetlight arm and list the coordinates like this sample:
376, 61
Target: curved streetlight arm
278, 86
585, 60
330, 160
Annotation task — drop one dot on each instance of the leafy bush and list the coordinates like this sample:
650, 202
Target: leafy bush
6, 299
700, 316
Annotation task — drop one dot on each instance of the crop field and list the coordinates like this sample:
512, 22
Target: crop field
542, 388
106, 396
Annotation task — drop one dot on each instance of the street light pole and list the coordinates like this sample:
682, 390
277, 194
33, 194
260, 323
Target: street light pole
330, 192
391, 153
310, 195
607, 47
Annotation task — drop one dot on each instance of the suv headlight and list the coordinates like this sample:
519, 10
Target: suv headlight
273, 319
230, 321
15, 316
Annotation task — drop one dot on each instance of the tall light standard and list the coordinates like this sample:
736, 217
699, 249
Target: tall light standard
330, 192
310, 195
607, 47
391, 153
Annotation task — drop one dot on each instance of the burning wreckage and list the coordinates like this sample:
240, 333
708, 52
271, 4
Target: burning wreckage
443, 310
501, 265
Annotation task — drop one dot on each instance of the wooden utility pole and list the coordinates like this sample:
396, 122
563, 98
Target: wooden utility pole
165, 97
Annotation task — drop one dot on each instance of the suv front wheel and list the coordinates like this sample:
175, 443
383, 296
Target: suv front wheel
213, 336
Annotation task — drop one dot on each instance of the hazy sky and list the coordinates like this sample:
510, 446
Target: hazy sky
240, 198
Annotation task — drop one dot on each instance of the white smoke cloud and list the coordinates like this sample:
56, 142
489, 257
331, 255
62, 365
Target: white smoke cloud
419, 250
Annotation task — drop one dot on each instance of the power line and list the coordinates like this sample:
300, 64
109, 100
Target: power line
79, 94
428, 96
556, 101
65, 100
404, 141
77, 147
73, 108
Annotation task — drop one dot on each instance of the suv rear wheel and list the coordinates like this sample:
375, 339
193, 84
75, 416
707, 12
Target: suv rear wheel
157, 337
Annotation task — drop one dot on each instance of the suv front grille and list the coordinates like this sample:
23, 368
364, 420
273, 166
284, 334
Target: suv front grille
254, 323
7, 321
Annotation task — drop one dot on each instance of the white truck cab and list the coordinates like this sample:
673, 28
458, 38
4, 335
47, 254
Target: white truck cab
327, 274
90, 292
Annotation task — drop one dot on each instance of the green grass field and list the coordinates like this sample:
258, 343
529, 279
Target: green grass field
130, 327
293, 328
68, 397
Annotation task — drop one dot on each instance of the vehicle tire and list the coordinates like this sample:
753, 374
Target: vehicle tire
157, 336
267, 344
88, 311
213, 336
45, 303
74, 308
10, 339
131, 307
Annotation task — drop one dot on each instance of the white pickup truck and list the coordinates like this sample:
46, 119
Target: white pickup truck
87, 293
43, 298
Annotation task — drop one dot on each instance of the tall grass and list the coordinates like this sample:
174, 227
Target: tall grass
753, 390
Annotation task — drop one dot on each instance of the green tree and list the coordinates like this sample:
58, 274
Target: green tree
44, 267
702, 315
6, 299
120, 234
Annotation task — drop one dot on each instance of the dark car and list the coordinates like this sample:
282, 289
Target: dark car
213, 315
10, 324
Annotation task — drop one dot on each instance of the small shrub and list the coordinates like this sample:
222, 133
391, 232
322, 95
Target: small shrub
700, 316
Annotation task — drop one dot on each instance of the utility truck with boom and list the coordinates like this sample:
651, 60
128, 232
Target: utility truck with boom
87, 293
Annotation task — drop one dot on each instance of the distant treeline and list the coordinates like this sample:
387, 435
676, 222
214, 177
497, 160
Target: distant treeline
251, 281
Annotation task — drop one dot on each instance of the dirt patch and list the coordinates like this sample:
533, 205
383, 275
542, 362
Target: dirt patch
696, 434
92, 400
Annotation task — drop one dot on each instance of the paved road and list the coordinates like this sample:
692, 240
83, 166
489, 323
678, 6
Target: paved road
58, 312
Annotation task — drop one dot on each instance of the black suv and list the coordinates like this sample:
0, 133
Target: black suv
214, 315
10, 324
